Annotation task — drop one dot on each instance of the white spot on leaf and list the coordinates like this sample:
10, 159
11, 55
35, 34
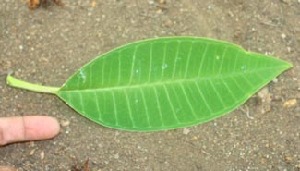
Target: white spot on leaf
82, 75
244, 68
164, 66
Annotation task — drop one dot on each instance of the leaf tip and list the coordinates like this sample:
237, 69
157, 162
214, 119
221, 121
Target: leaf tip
287, 65
290, 65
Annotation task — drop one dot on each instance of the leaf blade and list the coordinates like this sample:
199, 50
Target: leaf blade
168, 83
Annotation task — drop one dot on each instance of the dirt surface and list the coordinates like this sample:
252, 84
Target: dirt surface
49, 44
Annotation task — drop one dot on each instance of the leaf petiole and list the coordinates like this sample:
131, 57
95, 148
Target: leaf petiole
14, 82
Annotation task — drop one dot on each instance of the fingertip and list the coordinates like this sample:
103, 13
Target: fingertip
41, 127
54, 126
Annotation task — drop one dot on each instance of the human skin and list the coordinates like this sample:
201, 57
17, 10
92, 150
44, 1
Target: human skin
27, 128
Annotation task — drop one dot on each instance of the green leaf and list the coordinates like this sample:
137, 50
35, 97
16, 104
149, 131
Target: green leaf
165, 83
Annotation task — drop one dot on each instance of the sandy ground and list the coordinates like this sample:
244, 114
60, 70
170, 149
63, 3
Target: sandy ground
48, 44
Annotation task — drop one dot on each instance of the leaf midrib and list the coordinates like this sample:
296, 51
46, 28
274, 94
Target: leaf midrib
176, 81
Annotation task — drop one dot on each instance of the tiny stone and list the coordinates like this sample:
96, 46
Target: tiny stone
65, 123
93, 4
42, 155
265, 99
168, 23
277, 97
159, 11
32, 152
194, 138
230, 13
116, 156
151, 2
275, 80
288, 159
267, 145
287, 1
186, 131
162, 1
31, 144
290, 103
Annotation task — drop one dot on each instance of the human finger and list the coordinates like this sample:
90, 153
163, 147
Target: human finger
25, 128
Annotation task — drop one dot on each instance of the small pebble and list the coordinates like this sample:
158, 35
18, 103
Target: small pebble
162, 1
159, 11
186, 131
265, 99
94, 3
116, 156
288, 159
288, 2
32, 152
168, 23
230, 14
290, 103
65, 123
151, 2
31, 144
275, 80
42, 155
